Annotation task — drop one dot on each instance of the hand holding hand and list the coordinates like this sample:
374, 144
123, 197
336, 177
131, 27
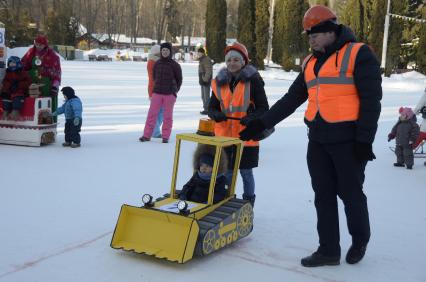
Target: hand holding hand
217, 116
54, 91
253, 129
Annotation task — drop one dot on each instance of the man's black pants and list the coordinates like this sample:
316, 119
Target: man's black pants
335, 171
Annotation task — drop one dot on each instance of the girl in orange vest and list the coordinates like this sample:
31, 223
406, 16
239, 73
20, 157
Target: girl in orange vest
238, 93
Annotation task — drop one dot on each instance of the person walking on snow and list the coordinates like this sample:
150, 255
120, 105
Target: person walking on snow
238, 92
73, 109
406, 131
153, 56
342, 83
205, 72
167, 82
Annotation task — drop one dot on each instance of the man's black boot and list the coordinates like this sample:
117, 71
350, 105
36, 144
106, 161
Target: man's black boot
317, 259
355, 254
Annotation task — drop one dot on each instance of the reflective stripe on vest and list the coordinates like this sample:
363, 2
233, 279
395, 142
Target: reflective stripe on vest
333, 92
232, 104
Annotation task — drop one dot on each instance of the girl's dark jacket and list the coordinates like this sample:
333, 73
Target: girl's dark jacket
250, 156
367, 78
167, 76
197, 189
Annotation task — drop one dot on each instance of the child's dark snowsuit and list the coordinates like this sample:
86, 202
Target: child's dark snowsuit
197, 189
406, 133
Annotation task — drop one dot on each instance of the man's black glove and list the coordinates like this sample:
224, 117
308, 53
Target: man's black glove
54, 91
364, 151
253, 129
245, 120
217, 116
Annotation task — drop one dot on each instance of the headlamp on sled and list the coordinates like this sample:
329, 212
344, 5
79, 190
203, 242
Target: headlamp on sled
147, 200
182, 206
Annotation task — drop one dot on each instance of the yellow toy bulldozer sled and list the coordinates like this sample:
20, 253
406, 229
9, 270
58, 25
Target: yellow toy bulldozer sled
176, 229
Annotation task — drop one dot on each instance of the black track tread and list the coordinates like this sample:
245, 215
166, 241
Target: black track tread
215, 217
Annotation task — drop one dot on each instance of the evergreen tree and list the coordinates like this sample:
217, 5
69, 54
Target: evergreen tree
395, 34
262, 32
216, 29
61, 27
295, 43
352, 16
421, 53
322, 2
246, 26
278, 34
375, 37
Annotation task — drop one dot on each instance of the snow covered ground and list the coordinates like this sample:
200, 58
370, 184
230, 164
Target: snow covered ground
59, 206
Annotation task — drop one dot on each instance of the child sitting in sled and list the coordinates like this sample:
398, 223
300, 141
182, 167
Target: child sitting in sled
405, 133
197, 188
15, 86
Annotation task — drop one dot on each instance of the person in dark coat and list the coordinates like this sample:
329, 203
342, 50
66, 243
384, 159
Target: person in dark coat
14, 89
229, 99
167, 76
205, 72
405, 132
197, 188
341, 80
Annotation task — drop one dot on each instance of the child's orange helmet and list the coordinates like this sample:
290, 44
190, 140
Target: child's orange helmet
317, 14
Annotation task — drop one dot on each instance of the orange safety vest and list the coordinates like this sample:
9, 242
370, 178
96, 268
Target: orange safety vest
333, 92
232, 104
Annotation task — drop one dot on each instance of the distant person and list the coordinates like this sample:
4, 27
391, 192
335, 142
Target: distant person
153, 57
421, 109
167, 82
197, 188
73, 109
44, 68
341, 81
15, 86
405, 132
205, 72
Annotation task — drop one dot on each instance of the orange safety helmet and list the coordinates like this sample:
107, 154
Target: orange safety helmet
237, 46
317, 14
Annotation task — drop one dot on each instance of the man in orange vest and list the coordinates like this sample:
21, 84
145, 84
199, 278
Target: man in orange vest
342, 82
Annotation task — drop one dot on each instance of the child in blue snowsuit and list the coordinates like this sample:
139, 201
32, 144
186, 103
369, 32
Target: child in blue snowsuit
73, 109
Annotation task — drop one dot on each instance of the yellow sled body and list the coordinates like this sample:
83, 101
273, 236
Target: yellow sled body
165, 232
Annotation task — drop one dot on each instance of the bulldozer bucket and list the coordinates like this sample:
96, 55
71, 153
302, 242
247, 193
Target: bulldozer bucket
158, 233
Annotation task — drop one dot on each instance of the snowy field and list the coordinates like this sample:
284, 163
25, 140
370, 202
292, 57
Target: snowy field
59, 206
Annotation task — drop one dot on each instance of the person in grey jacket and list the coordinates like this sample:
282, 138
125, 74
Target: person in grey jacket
205, 72
405, 133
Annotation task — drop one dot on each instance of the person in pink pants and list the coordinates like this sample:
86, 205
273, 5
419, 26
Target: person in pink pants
167, 82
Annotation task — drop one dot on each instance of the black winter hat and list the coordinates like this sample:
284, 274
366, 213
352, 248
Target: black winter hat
167, 45
324, 27
206, 159
68, 92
